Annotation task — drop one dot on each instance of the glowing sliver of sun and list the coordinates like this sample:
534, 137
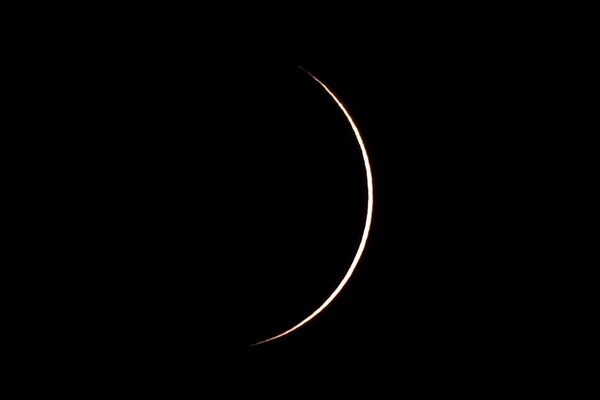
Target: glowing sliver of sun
369, 219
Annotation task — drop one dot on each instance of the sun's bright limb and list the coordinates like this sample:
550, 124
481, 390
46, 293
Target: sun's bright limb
368, 220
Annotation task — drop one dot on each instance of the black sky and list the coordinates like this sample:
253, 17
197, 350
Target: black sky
183, 191
210, 203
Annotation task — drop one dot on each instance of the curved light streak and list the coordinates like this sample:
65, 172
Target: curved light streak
368, 221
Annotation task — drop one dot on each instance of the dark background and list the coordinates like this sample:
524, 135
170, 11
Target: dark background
196, 204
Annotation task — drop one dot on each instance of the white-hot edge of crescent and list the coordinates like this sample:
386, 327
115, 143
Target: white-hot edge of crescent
369, 219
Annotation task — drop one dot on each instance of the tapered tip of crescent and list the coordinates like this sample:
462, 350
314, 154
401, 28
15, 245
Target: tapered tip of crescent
309, 73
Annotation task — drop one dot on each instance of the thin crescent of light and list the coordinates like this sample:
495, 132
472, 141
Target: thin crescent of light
368, 221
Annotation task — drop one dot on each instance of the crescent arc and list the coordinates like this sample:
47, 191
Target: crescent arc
368, 219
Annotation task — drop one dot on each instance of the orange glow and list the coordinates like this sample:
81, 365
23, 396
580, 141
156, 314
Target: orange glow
368, 219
